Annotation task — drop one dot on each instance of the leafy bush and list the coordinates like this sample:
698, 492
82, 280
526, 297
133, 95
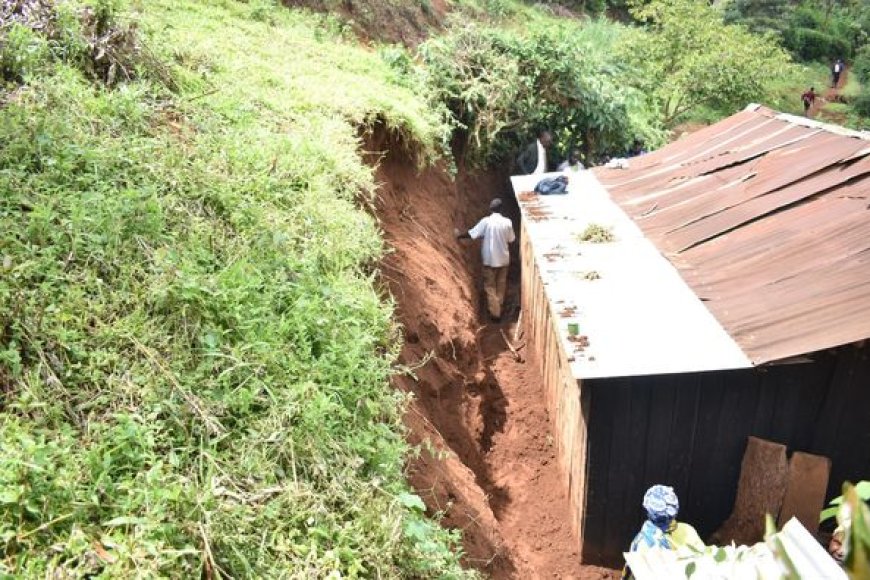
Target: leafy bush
810, 44
760, 16
807, 16
689, 59
498, 8
91, 37
22, 53
503, 85
861, 64
194, 359
861, 103
589, 7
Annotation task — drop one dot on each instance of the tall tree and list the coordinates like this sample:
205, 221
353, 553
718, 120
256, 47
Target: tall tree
690, 58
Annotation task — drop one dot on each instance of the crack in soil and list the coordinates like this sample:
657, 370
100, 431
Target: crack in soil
488, 462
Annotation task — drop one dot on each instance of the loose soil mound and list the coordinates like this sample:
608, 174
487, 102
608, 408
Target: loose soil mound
489, 463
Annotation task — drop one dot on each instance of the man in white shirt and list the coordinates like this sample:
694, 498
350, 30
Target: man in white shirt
573, 162
497, 232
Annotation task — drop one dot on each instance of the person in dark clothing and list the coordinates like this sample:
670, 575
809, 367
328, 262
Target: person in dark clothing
636, 149
808, 98
836, 71
533, 159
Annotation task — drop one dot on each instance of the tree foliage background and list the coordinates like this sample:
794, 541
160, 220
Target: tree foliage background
687, 57
502, 86
598, 84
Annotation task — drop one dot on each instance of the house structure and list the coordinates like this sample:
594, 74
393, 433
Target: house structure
733, 301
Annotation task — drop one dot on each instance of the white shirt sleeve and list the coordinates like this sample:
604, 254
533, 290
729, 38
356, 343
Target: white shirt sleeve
542, 159
478, 230
512, 236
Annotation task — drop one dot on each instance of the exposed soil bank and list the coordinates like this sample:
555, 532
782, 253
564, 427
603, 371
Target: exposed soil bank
409, 23
490, 465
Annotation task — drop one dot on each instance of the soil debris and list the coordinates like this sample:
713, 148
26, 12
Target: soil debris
527, 196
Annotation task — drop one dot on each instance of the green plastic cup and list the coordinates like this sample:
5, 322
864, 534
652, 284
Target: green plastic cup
573, 328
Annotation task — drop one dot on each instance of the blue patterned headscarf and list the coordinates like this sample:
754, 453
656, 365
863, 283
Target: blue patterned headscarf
661, 505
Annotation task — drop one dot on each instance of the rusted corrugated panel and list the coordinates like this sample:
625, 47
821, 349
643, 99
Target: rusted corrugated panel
768, 221
756, 207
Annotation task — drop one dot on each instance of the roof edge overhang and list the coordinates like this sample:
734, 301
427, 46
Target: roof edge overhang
639, 314
807, 122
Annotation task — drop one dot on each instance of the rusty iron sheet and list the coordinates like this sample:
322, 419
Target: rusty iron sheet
767, 218
756, 207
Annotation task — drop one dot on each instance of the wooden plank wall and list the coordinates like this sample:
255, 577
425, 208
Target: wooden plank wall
689, 431
566, 403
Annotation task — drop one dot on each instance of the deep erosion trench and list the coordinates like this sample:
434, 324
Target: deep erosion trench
488, 463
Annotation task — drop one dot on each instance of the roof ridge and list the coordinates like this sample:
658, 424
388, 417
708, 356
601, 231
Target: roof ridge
806, 122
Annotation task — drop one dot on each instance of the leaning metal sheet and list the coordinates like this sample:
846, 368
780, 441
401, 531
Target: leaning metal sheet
776, 241
638, 314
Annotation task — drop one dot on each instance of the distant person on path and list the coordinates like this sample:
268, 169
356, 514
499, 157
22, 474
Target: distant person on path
573, 162
533, 159
497, 232
836, 71
808, 99
661, 528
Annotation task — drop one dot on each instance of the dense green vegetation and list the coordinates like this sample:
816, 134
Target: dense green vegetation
503, 85
193, 354
601, 85
818, 31
811, 29
689, 59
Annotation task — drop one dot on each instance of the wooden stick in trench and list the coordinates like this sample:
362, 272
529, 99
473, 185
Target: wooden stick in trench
511, 346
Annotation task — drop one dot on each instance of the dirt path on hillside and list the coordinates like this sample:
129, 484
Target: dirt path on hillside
831, 95
488, 464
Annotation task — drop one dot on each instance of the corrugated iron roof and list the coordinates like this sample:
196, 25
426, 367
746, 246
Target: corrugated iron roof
637, 313
767, 217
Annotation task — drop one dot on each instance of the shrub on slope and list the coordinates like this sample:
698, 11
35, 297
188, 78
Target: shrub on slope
502, 84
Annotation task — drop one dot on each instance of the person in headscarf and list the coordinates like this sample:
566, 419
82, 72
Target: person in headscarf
661, 528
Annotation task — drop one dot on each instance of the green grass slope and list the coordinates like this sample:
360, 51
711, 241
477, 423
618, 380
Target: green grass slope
193, 353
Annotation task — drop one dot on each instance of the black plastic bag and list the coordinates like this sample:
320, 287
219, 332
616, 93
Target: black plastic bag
552, 185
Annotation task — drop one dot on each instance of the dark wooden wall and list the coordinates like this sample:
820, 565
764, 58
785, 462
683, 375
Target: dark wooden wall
689, 431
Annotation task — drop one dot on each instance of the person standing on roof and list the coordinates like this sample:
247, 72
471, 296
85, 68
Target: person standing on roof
808, 99
533, 159
661, 528
497, 232
836, 71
